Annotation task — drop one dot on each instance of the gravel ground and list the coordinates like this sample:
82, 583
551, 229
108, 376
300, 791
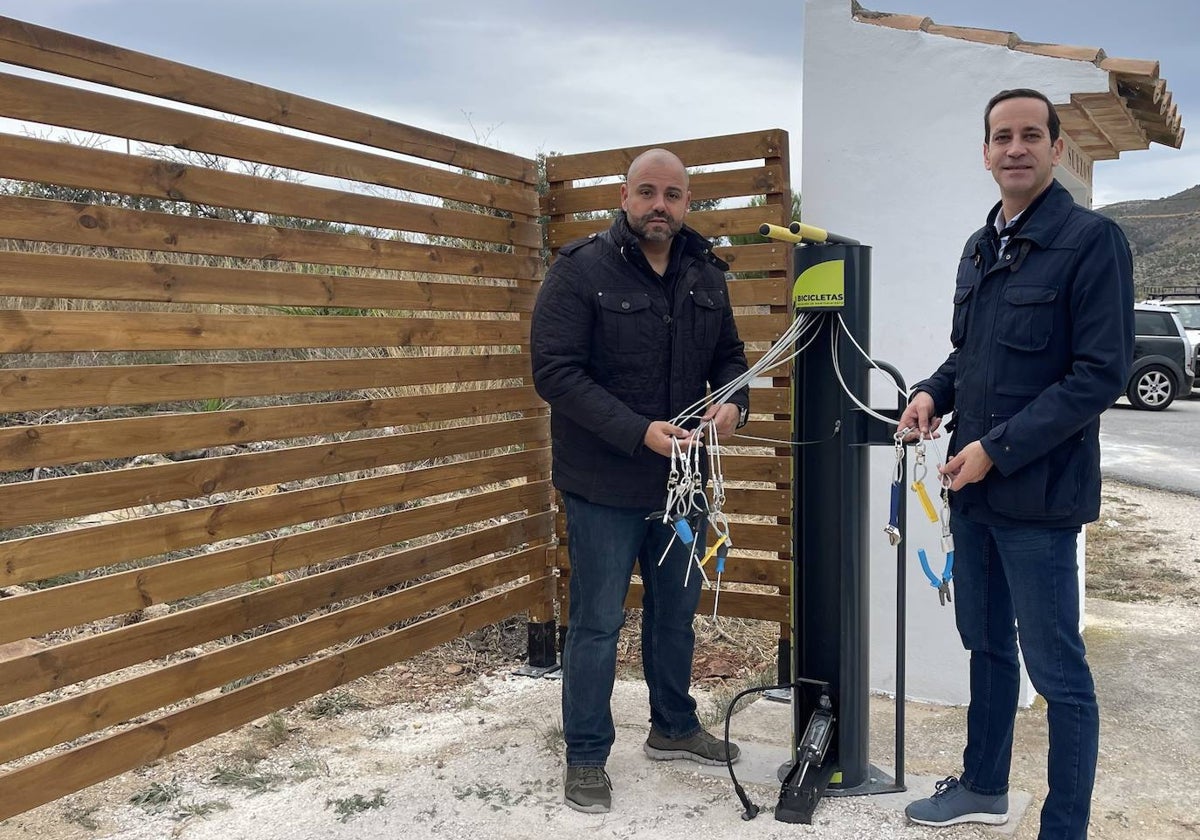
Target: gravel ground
484, 760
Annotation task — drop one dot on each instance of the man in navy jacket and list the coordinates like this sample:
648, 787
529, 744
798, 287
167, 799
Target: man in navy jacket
631, 327
1042, 340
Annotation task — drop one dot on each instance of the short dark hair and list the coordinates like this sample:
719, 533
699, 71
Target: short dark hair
1052, 122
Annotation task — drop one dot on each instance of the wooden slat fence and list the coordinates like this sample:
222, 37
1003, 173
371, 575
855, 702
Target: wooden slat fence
266, 423
581, 190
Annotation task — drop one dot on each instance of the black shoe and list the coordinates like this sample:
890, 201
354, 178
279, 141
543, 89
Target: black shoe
701, 747
587, 789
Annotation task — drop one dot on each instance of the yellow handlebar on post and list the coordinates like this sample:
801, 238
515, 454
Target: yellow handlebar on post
797, 233
780, 233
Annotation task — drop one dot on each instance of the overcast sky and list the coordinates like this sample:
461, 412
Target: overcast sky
558, 75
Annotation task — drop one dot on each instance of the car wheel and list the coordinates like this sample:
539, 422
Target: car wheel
1151, 389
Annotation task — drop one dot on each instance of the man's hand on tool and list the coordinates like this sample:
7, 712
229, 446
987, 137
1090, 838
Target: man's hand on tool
727, 415
659, 434
919, 417
968, 466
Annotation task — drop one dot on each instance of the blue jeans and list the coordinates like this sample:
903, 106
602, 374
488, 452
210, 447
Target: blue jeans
604, 542
1018, 582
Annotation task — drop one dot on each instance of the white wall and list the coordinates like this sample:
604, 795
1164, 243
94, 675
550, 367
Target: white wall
892, 155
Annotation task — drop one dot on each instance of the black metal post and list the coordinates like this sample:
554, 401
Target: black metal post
831, 583
831, 558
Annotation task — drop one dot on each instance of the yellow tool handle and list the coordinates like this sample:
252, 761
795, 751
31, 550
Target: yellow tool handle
926, 503
712, 549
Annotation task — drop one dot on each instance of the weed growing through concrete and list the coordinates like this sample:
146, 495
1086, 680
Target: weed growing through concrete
276, 730
348, 806
309, 768
335, 703
157, 796
82, 816
200, 809
247, 779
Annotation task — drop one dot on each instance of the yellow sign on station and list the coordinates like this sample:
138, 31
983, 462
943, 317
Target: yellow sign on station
822, 286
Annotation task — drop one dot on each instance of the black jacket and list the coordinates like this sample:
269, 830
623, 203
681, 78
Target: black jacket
615, 348
1043, 341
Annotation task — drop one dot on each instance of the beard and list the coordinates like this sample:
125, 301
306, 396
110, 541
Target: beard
640, 227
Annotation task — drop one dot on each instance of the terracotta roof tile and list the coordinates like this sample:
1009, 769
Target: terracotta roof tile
1136, 111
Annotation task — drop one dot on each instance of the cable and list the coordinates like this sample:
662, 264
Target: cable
837, 428
751, 809
837, 370
771, 359
871, 361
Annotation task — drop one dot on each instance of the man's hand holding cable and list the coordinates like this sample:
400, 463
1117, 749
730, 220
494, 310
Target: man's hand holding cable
659, 435
726, 415
968, 466
919, 416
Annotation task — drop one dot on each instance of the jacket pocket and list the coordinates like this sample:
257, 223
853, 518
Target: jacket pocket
623, 321
706, 318
1026, 321
962, 310
1047, 489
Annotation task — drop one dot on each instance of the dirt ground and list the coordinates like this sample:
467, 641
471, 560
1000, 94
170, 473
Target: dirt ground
448, 746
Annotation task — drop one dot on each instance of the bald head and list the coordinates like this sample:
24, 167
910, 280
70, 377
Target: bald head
657, 158
655, 198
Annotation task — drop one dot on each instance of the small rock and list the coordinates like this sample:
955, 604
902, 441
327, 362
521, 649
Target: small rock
454, 670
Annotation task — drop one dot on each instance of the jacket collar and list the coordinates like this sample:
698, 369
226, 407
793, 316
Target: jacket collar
1042, 219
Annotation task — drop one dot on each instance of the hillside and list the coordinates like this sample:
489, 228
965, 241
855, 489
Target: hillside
1165, 236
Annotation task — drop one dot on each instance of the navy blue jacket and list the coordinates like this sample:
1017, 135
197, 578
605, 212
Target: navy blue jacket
615, 348
1043, 341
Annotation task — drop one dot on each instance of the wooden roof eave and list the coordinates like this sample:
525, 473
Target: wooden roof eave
1135, 112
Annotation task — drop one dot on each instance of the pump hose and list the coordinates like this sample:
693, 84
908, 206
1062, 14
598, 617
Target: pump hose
751, 810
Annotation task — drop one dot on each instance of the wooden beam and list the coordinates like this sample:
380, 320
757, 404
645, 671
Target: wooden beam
33, 46
58, 607
22, 98
32, 274
59, 331
704, 185
51, 499
42, 220
30, 159
706, 151
91, 547
54, 444
33, 389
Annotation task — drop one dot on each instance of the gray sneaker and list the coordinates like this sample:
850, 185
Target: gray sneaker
587, 789
952, 803
701, 747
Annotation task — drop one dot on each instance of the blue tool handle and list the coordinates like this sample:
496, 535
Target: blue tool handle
897, 490
948, 575
933, 579
683, 529
722, 553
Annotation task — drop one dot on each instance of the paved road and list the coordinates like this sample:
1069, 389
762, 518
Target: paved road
1153, 448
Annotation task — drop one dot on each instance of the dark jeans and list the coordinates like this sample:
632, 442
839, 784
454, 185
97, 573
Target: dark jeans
603, 543
1023, 582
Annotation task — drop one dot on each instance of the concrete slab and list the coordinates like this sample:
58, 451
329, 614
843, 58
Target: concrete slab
763, 731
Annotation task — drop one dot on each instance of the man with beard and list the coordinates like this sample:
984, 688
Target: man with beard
630, 328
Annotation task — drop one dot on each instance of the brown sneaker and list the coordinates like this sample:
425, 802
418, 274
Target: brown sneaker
587, 789
701, 747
